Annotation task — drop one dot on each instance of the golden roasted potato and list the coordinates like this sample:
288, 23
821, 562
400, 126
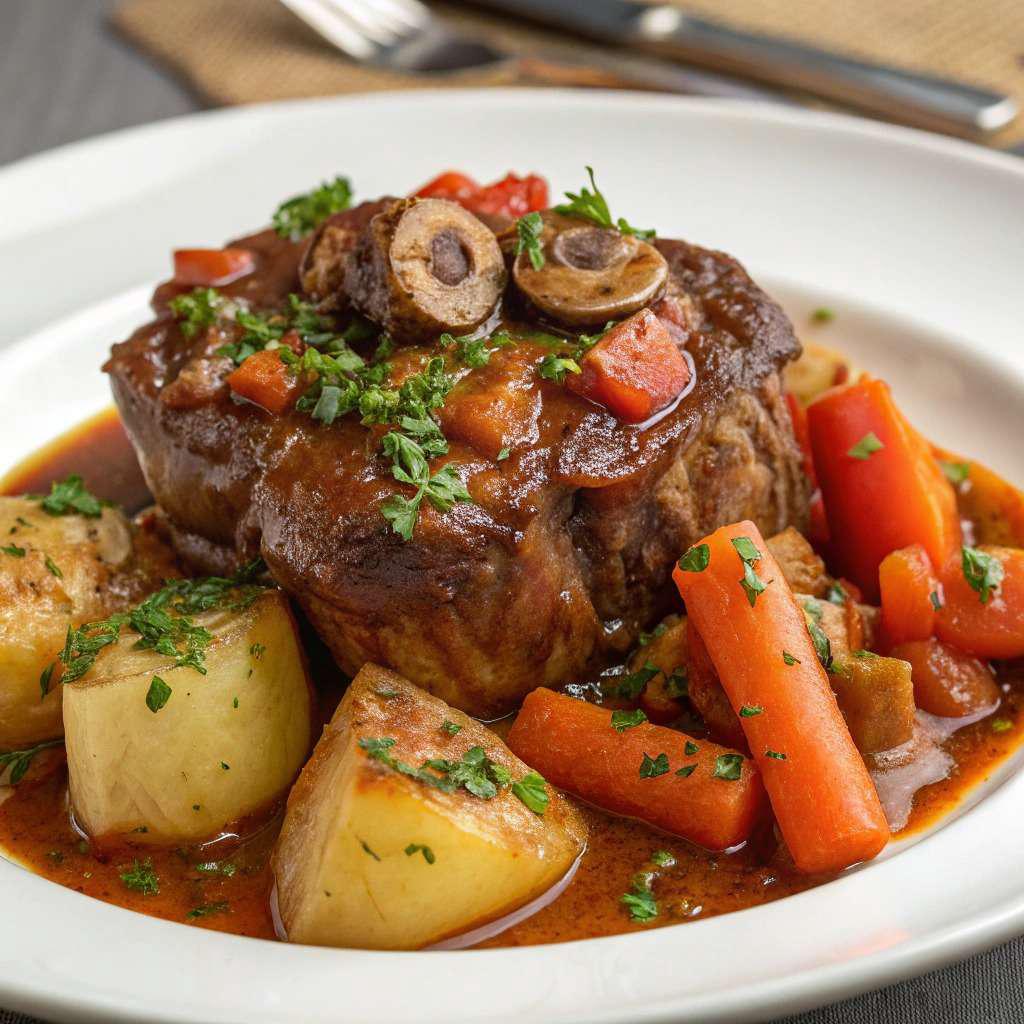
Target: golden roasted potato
169, 755
818, 369
876, 697
57, 571
403, 829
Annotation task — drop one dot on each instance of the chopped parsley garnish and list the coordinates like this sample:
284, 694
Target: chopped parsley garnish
44, 679
750, 710
366, 849
13, 550
640, 900
751, 583
386, 693
297, 217
823, 315
159, 694
677, 684
632, 685
70, 497
822, 645
224, 868
452, 728
1001, 724
652, 767
696, 559
533, 791
474, 772
728, 767
658, 631
428, 853
163, 622
956, 472
866, 447
475, 352
529, 230
256, 650
225, 766
52, 568
836, 593
663, 859
687, 770
936, 600
141, 877
865, 655
503, 454
775, 755
19, 760
554, 367
789, 659
197, 310
623, 720
690, 749
983, 572
206, 909
590, 204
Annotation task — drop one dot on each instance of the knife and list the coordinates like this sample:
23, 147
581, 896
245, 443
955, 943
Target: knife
926, 101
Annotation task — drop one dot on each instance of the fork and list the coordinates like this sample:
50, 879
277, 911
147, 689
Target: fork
404, 36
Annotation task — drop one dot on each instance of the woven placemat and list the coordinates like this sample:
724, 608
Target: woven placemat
245, 51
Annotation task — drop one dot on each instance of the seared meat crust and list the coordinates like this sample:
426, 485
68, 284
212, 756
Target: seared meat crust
565, 553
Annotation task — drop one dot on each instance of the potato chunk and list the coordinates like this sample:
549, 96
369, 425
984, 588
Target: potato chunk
57, 571
374, 854
178, 767
876, 697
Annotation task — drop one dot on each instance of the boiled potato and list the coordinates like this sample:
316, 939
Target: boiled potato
57, 571
372, 856
179, 766
818, 369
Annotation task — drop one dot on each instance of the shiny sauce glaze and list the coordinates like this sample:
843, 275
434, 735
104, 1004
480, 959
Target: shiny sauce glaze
225, 884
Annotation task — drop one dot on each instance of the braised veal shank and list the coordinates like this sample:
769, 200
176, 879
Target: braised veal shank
565, 552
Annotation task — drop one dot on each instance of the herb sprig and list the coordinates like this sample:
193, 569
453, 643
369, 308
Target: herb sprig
590, 204
297, 217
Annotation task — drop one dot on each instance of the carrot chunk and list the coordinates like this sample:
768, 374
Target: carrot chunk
910, 595
208, 267
634, 370
264, 380
705, 793
983, 609
946, 682
757, 637
882, 487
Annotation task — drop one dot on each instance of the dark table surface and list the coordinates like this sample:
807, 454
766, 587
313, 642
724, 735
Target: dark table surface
65, 76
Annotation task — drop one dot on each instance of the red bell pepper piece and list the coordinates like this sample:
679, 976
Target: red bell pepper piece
206, 268
512, 196
634, 370
264, 380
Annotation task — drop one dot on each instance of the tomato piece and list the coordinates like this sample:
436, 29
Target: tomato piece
206, 268
634, 370
511, 197
907, 583
994, 629
947, 682
264, 380
882, 487
449, 185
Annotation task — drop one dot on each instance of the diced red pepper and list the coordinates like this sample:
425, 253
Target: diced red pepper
634, 370
206, 268
265, 380
511, 197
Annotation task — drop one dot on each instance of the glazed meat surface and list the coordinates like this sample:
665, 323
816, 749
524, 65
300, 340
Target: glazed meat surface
565, 551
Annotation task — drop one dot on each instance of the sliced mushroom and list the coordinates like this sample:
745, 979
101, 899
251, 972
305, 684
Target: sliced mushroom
590, 274
423, 267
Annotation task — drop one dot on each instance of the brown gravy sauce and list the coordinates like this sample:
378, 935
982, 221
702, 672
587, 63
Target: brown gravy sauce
229, 879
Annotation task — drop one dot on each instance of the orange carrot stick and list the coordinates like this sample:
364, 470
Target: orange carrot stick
756, 634
206, 267
692, 788
910, 595
264, 380
882, 487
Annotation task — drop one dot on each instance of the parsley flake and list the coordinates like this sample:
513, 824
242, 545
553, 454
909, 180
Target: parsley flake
141, 877
532, 790
452, 728
775, 755
297, 217
696, 559
428, 853
823, 315
623, 720
529, 230
663, 859
983, 572
206, 909
18, 761
651, 768
159, 694
690, 749
13, 550
590, 204
630, 686
956, 472
789, 659
750, 710
866, 447
1001, 724
687, 770
640, 901
554, 367
936, 600
728, 767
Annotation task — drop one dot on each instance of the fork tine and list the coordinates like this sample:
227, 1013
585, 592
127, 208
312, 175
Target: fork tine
366, 18
409, 12
330, 25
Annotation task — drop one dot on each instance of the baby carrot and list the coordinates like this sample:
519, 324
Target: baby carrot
757, 636
910, 595
883, 489
692, 788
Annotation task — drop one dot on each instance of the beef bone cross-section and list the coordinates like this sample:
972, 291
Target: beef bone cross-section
564, 552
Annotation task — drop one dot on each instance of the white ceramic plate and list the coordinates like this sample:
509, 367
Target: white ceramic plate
915, 241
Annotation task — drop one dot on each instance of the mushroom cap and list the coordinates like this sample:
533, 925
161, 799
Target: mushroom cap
426, 266
590, 274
